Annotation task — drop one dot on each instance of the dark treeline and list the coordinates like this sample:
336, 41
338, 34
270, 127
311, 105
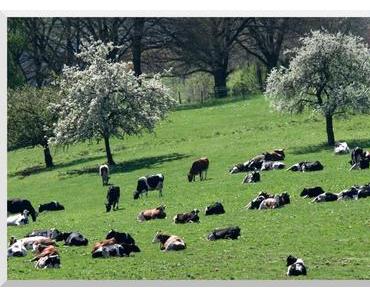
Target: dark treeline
39, 47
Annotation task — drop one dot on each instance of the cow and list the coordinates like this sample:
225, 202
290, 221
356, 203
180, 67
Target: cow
169, 242
120, 237
326, 197
17, 249
364, 191
215, 208
151, 214
115, 250
225, 233
198, 167
251, 165
349, 194
103, 243
52, 234
188, 217
51, 206
276, 202
19, 205
275, 155
104, 173
295, 266
256, 202
341, 148
252, 177
31, 242
270, 165
43, 251
306, 166
113, 196
149, 183
311, 192
360, 159
49, 261
19, 219
74, 239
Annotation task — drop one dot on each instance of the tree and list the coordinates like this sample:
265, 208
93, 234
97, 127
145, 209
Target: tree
330, 74
106, 99
30, 123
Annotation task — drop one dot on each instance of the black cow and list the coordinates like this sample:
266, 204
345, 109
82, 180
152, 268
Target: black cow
295, 266
149, 183
74, 239
252, 177
120, 237
188, 217
225, 233
115, 250
364, 191
311, 192
52, 234
113, 195
215, 208
19, 205
51, 206
326, 197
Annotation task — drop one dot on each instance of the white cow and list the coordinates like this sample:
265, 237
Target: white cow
341, 148
18, 219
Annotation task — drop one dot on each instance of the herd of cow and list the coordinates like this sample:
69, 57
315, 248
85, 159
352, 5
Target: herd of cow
44, 242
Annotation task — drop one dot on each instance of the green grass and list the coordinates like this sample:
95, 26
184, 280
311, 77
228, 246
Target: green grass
332, 238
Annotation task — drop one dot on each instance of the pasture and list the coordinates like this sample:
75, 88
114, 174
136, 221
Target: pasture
333, 238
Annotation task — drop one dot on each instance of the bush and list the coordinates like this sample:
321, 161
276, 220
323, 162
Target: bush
243, 81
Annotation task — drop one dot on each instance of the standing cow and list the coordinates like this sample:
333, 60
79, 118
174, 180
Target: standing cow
113, 195
198, 167
19, 205
149, 183
104, 173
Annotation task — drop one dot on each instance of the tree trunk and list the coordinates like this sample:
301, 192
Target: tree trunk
259, 77
330, 130
220, 83
47, 156
108, 152
136, 44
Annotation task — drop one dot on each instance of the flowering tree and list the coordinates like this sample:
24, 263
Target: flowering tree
329, 74
105, 98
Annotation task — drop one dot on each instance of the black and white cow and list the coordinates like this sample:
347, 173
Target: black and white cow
311, 192
256, 202
19, 205
149, 183
74, 239
271, 165
349, 194
295, 266
113, 196
225, 233
104, 173
18, 219
17, 249
306, 166
252, 177
360, 159
120, 237
215, 208
115, 250
188, 217
51, 206
279, 200
49, 261
51, 233
326, 197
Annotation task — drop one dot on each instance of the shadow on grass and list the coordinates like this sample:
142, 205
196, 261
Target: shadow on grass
323, 146
131, 165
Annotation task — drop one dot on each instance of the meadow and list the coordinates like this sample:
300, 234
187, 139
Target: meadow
333, 238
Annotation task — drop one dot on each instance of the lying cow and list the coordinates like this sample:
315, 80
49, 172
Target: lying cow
276, 202
19, 205
50, 261
295, 266
74, 239
44, 251
252, 177
256, 202
251, 165
17, 249
151, 214
341, 148
149, 183
30, 242
198, 167
348, 194
306, 166
103, 243
115, 250
104, 173
326, 197
272, 165
311, 192
360, 159
51, 206
225, 233
120, 237
51, 233
363, 191
188, 217
18, 219
113, 196
214, 209
275, 155
169, 242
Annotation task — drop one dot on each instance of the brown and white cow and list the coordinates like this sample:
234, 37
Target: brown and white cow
198, 167
169, 242
151, 214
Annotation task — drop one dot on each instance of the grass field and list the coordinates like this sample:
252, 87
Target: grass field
333, 238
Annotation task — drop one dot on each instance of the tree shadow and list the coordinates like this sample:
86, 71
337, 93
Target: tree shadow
131, 165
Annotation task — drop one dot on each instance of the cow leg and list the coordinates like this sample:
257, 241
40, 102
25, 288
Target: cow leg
205, 173
160, 193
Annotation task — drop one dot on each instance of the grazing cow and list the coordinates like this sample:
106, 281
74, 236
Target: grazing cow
306, 166
149, 183
51, 206
104, 173
115, 250
169, 242
151, 214
225, 233
270, 165
326, 197
74, 239
275, 155
311, 192
215, 208
52, 234
295, 266
19, 219
113, 195
276, 202
120, 237
50, 261
188, 217
252, 177
17, 249
341, 148
198, 167
256, 202
19, 205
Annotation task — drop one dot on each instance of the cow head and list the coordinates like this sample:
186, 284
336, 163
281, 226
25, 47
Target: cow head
136, 194
190, 177
108, 207
290, 260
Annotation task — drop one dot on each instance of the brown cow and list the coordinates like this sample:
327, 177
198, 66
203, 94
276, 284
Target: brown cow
198, 167
151, 214
44, 251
